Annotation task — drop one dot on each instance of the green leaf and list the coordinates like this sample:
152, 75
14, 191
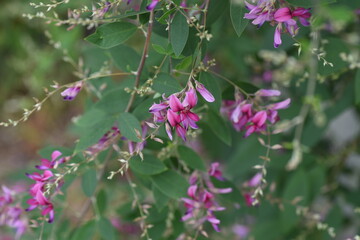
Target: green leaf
191, 158
357, 87
237, 16
89, 182
246, 86
93, 134
310, 3
106, 229
149, 166
125, 58
165, 16
90, 118
179, 33
215, 10
114, 101
297, 186
164, 83
85, 232
171, 184
184, 64
212, 84
161, 200
127, 125
101, 201
112, 34
219, 127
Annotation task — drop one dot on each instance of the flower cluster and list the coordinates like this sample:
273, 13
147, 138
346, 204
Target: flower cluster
11, 214
283, 17
42, 180
179, 114
244, 115
201, 203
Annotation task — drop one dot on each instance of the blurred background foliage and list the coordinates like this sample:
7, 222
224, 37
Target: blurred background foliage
327, 179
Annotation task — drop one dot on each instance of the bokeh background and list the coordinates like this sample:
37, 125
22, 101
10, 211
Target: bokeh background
29, 62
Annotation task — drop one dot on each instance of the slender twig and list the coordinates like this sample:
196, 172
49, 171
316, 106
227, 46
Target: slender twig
142, 61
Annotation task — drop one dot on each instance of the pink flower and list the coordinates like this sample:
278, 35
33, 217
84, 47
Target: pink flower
70, 93
38, 189
214, 171
302, 14
282, 14
152, 5
204, 92
268, 93
55, 160
11, 215
201, 203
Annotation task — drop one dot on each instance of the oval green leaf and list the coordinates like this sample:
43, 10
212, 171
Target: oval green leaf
149, 166
112, 34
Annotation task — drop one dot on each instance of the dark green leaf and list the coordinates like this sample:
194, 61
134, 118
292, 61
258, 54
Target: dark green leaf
90, 118
191, 158
101, 201
127, 125
216, 9
179, 33
309, 3
247, 87
85, 232
171, 184
149, 166
125, 58
106, 229
165, 16
237, 10
114, 101
161, 200
297, 186
89, 182
219, 127
112, 34
164, 83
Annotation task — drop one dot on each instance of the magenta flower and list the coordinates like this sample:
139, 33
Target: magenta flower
55, 160
215, 172
302, 14
176, 111
243, 114
70, 93
11, 214
282, 14
261, 13
266, 11
38, 189
201, 204
204, 92
152, 5
255, 180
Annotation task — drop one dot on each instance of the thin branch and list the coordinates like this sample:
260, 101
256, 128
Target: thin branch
142, 61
